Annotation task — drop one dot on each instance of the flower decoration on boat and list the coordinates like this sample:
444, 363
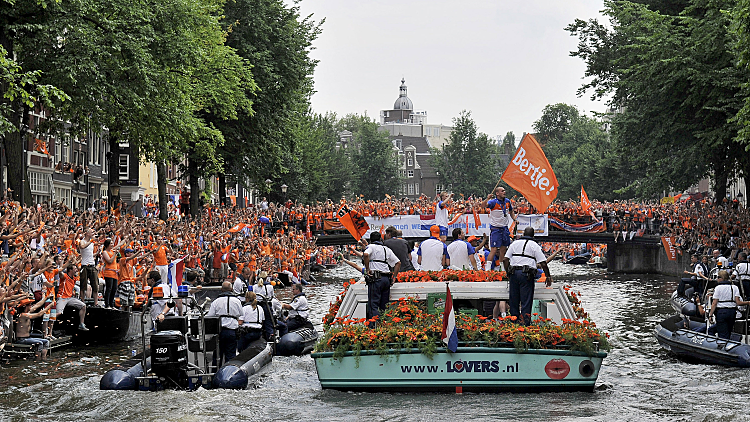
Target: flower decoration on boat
449, 275
406, 324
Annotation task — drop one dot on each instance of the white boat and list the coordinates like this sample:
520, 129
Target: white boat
474, 366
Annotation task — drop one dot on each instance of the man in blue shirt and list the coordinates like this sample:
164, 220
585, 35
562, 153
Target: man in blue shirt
501, 216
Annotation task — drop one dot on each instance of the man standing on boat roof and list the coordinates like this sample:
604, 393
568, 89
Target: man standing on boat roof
501, 216
441, 214
381, 266
520, 263
229, 308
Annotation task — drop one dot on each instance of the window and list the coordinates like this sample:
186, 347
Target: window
436, 131
411, 188
409, 162
438, 188
38, 182
416, 189
65, 153
403, 189
58, 150
105, 150
64, 196
75, 157
397, 143
124, 166
410, 173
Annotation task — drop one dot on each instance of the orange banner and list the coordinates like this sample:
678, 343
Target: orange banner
333, 225
530, 173
353, 221
237, 228
669, 248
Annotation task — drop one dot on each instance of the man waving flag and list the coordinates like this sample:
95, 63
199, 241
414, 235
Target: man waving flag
450, 336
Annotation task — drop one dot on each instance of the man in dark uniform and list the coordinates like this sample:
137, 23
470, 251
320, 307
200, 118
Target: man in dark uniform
520, 263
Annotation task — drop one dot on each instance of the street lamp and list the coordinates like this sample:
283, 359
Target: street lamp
268, 184
284, 187
115, 189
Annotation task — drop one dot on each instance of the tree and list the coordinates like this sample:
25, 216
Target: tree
146, 71
276, 41
673, 77
468, 161
509, 144
374, 163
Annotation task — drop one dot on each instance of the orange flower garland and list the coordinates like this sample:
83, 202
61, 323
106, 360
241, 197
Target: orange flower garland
449, 275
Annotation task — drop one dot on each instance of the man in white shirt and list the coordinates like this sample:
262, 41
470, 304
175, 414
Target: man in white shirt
229, 308
461, 252
441, 214
240, 283
160, 307
697, 277
432, 253
298, 309
520, 263
719, 258
89, 274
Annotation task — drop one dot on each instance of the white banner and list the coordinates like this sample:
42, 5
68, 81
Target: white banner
419, 225
540, 223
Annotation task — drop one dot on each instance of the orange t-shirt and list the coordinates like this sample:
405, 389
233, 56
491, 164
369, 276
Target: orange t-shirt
160, 256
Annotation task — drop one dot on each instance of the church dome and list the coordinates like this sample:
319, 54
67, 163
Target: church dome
403, 102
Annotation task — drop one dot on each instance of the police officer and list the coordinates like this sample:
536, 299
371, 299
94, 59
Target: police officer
381, 267
697, 277
520, 263
229, 308
298, 309
726, 299
742, 274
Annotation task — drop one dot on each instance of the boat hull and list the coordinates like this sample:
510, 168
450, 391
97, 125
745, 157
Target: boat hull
105, 325
578, 259
698, 347
475, 369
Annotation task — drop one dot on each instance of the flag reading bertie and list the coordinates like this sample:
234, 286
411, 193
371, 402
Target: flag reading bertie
353, 221
450, 336
530, 173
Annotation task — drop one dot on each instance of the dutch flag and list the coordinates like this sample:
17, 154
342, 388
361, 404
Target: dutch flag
450, 336
427, 221
175, 271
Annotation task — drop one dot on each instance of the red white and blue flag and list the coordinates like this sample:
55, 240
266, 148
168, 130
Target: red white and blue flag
450, 336
175, 271
427, 221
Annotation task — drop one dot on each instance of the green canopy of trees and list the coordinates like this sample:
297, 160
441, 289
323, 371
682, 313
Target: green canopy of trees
671, 70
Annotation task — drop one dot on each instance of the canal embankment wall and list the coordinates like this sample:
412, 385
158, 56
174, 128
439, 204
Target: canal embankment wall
644, 259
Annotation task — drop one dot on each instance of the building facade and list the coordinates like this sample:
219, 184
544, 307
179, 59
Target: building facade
413, 140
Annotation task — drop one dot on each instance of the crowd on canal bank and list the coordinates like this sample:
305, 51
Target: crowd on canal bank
52, 256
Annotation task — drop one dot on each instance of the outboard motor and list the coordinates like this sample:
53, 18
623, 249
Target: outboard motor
169, 359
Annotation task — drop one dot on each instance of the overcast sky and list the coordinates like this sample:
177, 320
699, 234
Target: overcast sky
502, 60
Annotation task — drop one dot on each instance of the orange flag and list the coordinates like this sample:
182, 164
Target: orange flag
530, 173
237, 228
585, 203
353, 221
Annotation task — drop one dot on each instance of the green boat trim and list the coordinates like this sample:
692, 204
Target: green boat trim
394, 352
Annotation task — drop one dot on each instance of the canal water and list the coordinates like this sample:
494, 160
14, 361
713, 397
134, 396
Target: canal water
638, 381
